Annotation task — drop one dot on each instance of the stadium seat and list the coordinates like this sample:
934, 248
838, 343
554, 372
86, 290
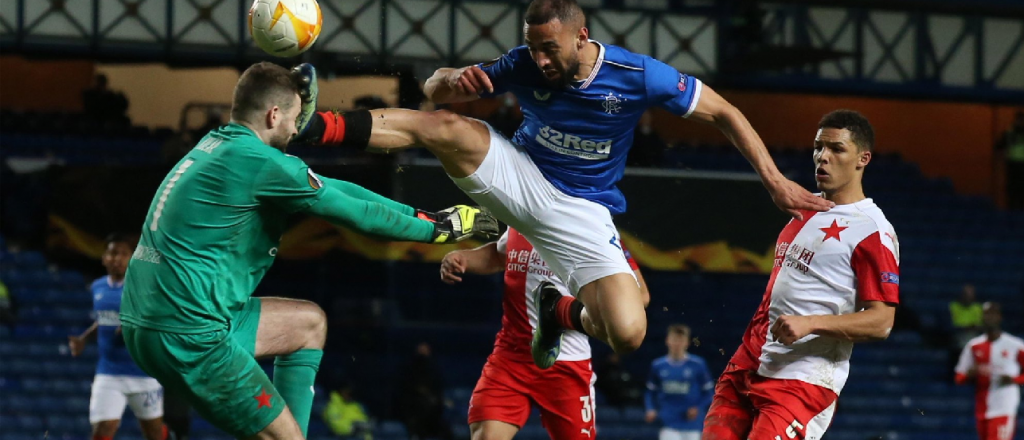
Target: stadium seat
391, 428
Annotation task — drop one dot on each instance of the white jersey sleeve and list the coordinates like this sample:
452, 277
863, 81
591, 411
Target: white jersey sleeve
966, 361
503, 242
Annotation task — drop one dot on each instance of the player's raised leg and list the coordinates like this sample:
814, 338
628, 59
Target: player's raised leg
460, 143
294, 332
614, 311
609, 306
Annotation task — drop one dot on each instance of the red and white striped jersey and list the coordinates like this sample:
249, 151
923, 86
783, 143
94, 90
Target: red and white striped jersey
824, 265
1001, 357
524, 271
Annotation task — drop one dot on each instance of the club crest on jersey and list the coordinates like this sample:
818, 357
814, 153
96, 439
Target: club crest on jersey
314, 180
612, 104
491, 62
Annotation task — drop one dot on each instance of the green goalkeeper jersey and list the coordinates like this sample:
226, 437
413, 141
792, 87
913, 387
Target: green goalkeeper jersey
215, 223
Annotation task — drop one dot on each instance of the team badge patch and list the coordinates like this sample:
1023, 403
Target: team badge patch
891, 278
314, 180
612, 104
491, 62
263, 399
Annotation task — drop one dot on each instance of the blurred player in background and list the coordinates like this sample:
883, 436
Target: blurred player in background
510, 383
118, 382
679, 389
992, 362
554, 181
835, 282
212, 232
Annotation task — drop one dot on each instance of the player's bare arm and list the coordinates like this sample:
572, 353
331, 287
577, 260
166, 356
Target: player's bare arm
483, 260
872, 323
77, 343
790, 197
449, 85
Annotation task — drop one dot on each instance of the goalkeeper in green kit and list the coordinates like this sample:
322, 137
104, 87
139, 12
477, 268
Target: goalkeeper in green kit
212, 232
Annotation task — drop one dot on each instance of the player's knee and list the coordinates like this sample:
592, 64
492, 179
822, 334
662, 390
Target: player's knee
106, 428
627, 339
441, 128
318, 327
314, 325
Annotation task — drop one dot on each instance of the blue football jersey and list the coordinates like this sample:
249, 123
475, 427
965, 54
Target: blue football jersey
673, 387
579, 135
114, 357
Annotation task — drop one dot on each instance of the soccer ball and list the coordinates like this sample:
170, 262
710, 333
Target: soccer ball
285, 28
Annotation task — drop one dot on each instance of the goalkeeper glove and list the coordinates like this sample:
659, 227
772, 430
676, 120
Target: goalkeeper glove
461, 222
305, 77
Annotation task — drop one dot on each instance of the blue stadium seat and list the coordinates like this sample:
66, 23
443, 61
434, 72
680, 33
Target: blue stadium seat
633, 414
36, 386
26, 260
609, 414
9, 349
9, 385
391, 428
29, 423
20, 367
18, 403
68, 424
17, 435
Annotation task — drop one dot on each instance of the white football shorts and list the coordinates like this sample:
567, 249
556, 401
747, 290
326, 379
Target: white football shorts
575, 237
110, 394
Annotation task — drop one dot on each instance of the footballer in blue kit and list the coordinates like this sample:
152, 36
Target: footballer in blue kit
554, 181
118, 381
679, 389
578, 134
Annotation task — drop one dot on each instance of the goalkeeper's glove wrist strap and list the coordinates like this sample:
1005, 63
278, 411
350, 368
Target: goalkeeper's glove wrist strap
442, 233
427, 215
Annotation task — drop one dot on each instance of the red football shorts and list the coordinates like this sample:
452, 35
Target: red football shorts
996, 428
749, 406
564, 394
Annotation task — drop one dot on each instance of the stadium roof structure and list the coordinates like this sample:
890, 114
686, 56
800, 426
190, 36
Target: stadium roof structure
935, 49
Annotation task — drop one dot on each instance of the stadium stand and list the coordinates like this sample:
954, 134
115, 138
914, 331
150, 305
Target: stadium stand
898, 389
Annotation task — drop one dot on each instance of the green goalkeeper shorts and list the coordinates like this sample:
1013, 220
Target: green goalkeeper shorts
215, 371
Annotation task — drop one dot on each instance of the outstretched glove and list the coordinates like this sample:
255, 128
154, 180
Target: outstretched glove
461, 222
305, 77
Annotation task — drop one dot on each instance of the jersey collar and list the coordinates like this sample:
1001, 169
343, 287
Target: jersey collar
597, 65
685, 359
111, 283
860, 204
